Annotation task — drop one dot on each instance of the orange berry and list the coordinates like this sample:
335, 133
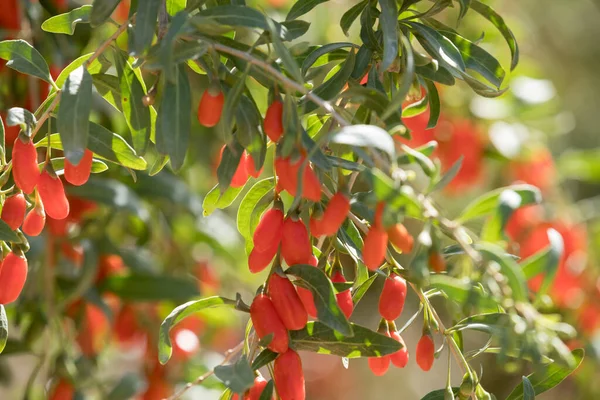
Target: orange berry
437, 262
34, 222
273, 122
335, 214
400, 238
79, 174
25, 168
266, 321
425, 352
392, 298
375, 247
52, 194
210, 108
269, 230
13, 210
344, 299
13, 274
295, 242
289, 377
399, 358
287, 303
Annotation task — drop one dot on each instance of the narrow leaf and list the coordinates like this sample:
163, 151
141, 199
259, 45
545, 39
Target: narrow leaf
366, 136
22, 57
350, 16
145, 24
389, 26
65, 23
301, 7
3, 328
102, 10
215, 199
486, 203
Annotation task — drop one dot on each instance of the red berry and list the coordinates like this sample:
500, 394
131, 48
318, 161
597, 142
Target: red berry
295, 242
256, 390
240, 177
287, 303
287, 171
62, 391
259, 260
13, 274
25, 168
34, 222
79, 174
127, 329
269, 229
399, 358
266, 321
250, 166
210, 108
393, 295
400, 238
289, 377
335, 214
285, 180
273, 122
308, 301
437, 262
379, 365
52, 194
13, 210
316, 226
425, 352
344, 299
375, 247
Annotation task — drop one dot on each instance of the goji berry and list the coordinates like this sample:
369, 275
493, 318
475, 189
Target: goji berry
259, 260
273, 122
240, 177
425, 352
210, 107
392, 298
295, 242
79, 174
289, 377
25, 168
127, 329
344, 299
375, 247
399, 358
13, 210
287, 303
256, 390
308, 301
437, 262
269, 230
266, 321
109, 265
251, 166
379, 365
13, 274
62, 391
34, 222
52, 194
400, 238
335, 214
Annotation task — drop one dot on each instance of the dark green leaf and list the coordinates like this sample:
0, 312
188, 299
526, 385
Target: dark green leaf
350, 16
7, 234
345, 164
434, 104
143, 287
388, 20
3, 328
113, 194
127, 387
180, 313
547, 377
435, 73
286, 58
407, 79
145, 24
166, 186
319, 338
323, 292
486, 203
267, 393
73, 122
65, 23
173, 123
366, 136
230, 161
364, 56
528, 390
265, 357
215, 199
334, 85
488, 13
135, 112
301, 7
509, 268
22, 57
238, 377
102, 10
109, 87
439, 394
235, 15
437, 45
319, 52
248, 204
167, 46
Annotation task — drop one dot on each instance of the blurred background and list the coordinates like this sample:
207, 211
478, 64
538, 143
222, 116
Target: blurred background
542, 131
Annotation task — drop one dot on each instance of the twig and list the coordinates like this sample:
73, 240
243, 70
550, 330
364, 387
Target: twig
107, 42
229, 354
45, 115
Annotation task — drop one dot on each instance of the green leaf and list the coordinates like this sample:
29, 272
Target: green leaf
509, 268
3, 328
415, 156
238, 377
173, 123
328, 311
58, 164
547, 261
434, 104
437, 45
301, 7
175, 6
528, 390
229, 164
267, 393
112, 193
73, 122
366, 136
102, 10
350, 16
547, 377
488, 13
388, 21
439, 394
22, 57
135, 112
230, 107
215, 199
144, 287
18, 116
435, 73
449, 175
145, 24
464, 7
7, 234
94, 68
462, 292
65, 23
109, 88
321, 51
508, 202
265, 357
486, 203
127, 387
319, 338
359, 292
329, 89
283, 52
407, 79
248, 205
180, 313
169, 187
